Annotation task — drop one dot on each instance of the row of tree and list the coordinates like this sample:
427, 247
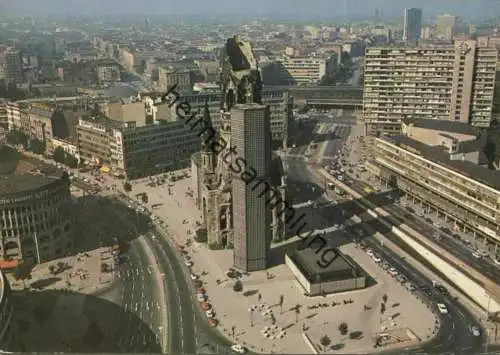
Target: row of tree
16, 137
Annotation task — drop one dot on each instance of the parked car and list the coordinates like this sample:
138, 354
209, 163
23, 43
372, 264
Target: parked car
442, 308
476, 254
393, 271
237, 348
474, 330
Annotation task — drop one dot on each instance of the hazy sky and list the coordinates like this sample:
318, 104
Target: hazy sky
333, 8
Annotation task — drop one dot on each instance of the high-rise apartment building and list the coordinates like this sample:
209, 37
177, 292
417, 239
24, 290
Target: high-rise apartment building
250, 135
412, 25
13, 68
444, 82
302, 70
446, 26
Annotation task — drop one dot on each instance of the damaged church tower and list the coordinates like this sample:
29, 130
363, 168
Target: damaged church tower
238, 213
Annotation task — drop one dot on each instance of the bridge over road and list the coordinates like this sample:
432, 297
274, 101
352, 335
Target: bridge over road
356, 104
303, 93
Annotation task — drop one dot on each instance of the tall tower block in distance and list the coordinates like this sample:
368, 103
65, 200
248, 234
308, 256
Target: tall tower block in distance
252, 213
412, 25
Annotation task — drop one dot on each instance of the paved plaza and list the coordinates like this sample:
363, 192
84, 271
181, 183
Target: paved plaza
80, 273
262, 291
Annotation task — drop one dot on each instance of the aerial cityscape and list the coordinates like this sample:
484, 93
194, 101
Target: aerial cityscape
250, 177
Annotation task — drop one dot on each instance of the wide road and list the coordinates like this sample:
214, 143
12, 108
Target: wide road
137, 291
400, 215
339, 133
188, 329
453, 334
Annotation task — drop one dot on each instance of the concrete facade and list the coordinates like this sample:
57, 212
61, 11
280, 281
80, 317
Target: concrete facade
342, 275
35, 224
250, 126
447, 182
444, 82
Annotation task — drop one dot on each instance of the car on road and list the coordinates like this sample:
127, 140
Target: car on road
410, 287
426, 290
442, 308
476, 254
401, 279
441, 289
474, 330
483, 252
188, 263
237, 348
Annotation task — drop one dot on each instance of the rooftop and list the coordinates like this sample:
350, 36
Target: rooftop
442, 125
19, 173
438, 155
308, 261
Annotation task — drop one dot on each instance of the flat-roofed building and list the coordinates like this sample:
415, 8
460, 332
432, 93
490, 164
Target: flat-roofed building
303, 70
280, 104
108, 71
447, 82
140, 151
169, 77
440, 170
93, 141
320, 272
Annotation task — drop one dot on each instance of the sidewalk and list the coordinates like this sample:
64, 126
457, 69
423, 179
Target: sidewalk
80, 273
233, 308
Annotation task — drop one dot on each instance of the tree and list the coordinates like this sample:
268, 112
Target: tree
238, 286
282, 300
297, 312
37, 146
325, 341
70, 161
343, 328
16, 137
127, 187
59, 155
22, 272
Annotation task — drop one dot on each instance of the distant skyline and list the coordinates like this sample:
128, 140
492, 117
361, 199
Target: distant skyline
469, 9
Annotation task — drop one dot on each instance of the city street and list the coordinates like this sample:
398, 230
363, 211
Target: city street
428, 224
449, 338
